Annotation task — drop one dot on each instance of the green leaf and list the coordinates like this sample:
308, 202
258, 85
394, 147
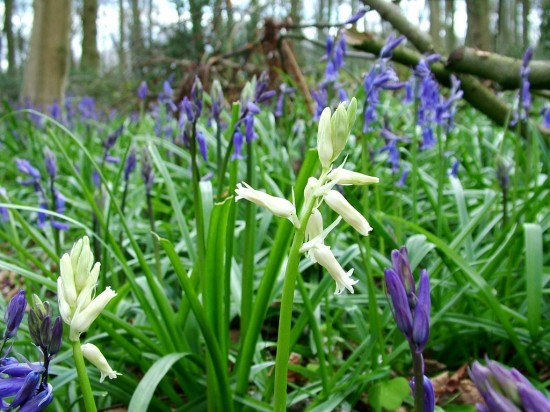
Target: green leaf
533, 274
146, 388
389, 395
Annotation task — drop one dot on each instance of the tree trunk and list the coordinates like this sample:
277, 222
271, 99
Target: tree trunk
46, 69
525, 10
477, 34
10, 40
504, 37
122, 37
435, 23
295, 11
254, 19
544, 40
150, 23
90, 54
195, 7
136, 36
450, 38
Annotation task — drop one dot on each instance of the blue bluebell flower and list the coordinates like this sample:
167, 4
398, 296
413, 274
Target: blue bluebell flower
403, 179
147, 173
130, 163
411, 308
87, 108
4, 210
320, 98
506, 389
237, 145
142, 91
201, 139
429, 394
283, 91
545, 113
381, 76
357, 15
14, 314
454, 169
55, 110
166, 96
391, 140
217, 100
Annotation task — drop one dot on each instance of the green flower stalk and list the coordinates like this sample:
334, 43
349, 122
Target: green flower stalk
332, 136
79, 308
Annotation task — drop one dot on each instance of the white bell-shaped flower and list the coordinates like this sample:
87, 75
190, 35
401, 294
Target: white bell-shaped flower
323, 255
340, 205
276, 205
94, 356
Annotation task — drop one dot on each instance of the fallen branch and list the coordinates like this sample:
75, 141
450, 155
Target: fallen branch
502, 69
475, 93
479, 96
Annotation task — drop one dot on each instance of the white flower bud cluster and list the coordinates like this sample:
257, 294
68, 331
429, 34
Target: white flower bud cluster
75, 293
332, 137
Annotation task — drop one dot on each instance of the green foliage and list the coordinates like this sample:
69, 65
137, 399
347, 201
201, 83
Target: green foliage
176, 328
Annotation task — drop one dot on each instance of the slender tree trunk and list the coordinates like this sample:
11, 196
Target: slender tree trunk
295, 11
435, 23
254, 18
544, 40
321, 18
525, 10
450, 38
46, 69
122, 37
10, 40
195, 7
478, 34
217, 20
90, 54
504, 37
136, 40
150, 23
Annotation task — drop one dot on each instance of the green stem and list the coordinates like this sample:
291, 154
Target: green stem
156, 248
85, 387
287, 301
440, 183
418, 369
249, 238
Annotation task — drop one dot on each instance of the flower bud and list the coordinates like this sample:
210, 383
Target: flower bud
340, 205
14, 314
323, 255
276, 205
401, 310
314, 225
351, 113
324, 139
340, 130
83, 317
421, 322
345, 177
94, 355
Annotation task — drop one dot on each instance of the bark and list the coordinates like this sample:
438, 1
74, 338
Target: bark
295, 11
478, 34
217, 20
46, 69
475, 93
90, 54
136, 36
544, 40
450, 38
505, 36
122, 37
10, 39
435, 22
391, 13
195, 7
501, 69
525, 10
